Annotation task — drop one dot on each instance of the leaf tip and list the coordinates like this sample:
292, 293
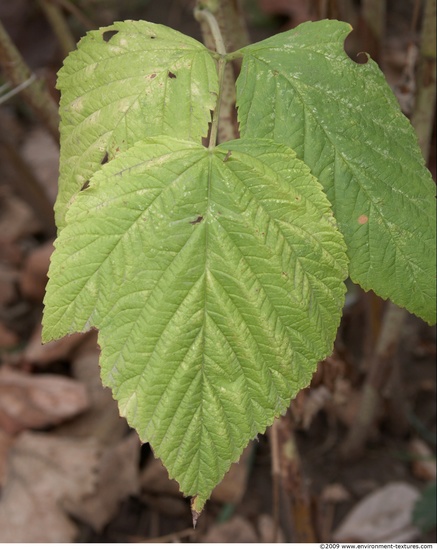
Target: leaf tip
196, 509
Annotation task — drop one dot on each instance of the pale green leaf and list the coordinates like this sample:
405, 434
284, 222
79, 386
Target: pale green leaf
215, 279
300, 88
125, 82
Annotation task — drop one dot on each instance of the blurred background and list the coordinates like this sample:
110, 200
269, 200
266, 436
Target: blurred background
354, 458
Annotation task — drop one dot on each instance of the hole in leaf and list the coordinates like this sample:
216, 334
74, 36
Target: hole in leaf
351, 45
171, 75
107, 35
105, 158
85, 185
361, 58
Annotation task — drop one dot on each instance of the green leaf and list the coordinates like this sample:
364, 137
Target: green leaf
124, 83
215, 280
424, 511
300, 88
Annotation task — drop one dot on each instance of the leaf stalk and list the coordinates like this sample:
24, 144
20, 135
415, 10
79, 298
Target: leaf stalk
207, 17
216, 115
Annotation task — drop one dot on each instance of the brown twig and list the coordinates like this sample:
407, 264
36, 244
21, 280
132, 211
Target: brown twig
373, 14
229, 17
288, 468
36, 94
59, 26
276, 476
379, 374
423, 117
344, 10
87, 23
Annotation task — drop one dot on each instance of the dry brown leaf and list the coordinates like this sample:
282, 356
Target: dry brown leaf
36, 401
42, 155
383, 516
154, 479
236, 530
6, 442
118, 477
45, 476
342, 392
266, 529
43, 354
16, 218
11, 253
233, 486
329, 371
171, 506
347, 411
8, 282
102, 419
326, 391
315, 401
8, 338
33, 277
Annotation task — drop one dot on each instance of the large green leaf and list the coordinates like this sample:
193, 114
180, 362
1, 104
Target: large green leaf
215, 280
341, 118
125, 82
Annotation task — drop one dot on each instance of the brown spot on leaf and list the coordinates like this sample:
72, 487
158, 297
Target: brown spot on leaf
171, 75
107, 35
105, 159
197, 220
152, 76
363, 219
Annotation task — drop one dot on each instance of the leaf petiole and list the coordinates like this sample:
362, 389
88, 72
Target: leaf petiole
206, 16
